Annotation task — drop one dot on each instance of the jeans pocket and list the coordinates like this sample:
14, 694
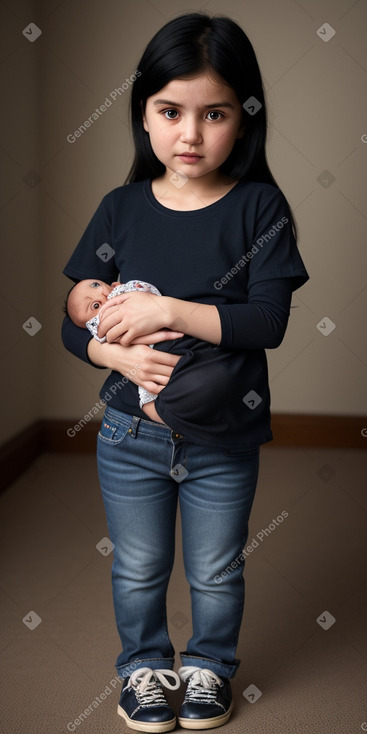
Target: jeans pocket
112, 431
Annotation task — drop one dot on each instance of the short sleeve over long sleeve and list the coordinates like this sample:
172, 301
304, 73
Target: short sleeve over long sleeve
274, 270
92, 258
274, 250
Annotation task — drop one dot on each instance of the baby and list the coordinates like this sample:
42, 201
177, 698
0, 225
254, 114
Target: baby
204, 391
87, 297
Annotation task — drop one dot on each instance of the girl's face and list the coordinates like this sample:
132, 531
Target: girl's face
193, 125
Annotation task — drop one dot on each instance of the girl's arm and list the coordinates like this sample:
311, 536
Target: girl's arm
139, 363
76, 340
142, 365
134, 314
259, 324
197, 319
262, 322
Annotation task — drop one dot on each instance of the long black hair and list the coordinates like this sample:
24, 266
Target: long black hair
185, 47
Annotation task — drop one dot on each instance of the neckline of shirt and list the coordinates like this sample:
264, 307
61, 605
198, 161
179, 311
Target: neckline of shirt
189, 212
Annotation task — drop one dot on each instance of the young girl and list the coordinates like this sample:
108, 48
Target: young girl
203, 219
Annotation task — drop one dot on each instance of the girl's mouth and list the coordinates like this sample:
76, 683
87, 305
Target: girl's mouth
190, 157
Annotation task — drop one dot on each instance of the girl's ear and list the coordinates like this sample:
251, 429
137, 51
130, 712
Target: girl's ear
145, 124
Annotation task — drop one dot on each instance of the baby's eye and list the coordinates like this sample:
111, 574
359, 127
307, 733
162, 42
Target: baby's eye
96, 305
95, 284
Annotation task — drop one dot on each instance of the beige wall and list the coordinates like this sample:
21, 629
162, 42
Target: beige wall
317, 111
21, 257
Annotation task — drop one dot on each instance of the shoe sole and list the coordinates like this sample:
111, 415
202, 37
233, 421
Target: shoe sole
206, 723
159, 726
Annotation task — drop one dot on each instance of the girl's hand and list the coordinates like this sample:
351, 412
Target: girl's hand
137, 314
142, 365
132, 315
157, 336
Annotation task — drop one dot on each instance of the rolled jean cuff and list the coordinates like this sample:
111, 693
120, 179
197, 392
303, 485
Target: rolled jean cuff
221, 669
125, 670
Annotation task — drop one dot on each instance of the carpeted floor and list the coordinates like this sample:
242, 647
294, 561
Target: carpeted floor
58, 639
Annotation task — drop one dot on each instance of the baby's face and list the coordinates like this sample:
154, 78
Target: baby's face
86, 299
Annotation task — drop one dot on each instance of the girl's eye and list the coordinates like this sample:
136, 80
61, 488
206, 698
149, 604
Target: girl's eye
215, 115
96, 305
170, 114
95, 285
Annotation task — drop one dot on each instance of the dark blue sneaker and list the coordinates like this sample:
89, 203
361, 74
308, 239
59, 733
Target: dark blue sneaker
208, 699
142, 702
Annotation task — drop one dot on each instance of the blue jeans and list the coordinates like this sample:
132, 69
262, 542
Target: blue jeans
144, 468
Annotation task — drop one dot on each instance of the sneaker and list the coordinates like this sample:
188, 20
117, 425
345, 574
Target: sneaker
208, 699
142, 702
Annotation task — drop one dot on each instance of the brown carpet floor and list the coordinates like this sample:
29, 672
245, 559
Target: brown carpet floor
312, 675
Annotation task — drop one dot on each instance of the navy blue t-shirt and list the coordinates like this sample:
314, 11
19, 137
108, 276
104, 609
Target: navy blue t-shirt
238, 254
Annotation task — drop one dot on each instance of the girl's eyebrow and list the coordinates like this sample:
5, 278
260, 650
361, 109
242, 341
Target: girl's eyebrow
207, 106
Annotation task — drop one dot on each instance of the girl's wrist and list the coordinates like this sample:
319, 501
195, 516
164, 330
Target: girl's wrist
103, 355
200, 320
172, 311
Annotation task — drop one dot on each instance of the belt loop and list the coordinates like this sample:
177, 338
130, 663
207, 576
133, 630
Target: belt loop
134, 426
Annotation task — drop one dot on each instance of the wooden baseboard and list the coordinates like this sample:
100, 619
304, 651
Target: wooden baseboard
320, 431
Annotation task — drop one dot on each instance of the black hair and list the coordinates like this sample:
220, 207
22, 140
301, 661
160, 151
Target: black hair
185, 47
65, 306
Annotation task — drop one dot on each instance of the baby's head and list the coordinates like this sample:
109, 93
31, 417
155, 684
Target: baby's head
86, 298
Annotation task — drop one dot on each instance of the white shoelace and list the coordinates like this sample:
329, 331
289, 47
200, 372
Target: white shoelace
202, 685
147, 685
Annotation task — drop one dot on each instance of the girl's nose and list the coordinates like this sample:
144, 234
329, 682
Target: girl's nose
191, 132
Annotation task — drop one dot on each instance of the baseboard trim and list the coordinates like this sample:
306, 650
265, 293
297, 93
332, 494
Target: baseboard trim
319, 431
